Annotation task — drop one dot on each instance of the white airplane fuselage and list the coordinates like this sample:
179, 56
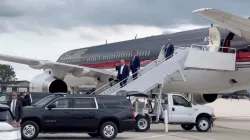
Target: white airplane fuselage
198, 81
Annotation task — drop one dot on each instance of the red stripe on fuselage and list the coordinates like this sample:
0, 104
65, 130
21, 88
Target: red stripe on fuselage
109, 65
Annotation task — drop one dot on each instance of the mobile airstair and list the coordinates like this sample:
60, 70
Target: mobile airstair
161, 70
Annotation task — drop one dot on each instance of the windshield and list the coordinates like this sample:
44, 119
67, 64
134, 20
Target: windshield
44, 101
5, 115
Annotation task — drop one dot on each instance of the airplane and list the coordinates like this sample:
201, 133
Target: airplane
241, 94
95, 65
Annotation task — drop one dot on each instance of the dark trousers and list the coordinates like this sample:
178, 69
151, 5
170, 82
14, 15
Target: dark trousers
134, 74
122, 81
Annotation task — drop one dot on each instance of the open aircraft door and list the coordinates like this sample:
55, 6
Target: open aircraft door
214, 39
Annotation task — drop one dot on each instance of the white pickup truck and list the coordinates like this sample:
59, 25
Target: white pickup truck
180, 112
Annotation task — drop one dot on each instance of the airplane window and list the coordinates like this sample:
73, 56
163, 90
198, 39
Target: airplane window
139, 54
148, 53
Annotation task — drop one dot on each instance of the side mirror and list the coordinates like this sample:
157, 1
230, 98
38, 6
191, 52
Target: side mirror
51, 106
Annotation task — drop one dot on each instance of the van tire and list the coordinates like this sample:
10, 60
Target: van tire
142, 123
32, 126
203, 124
187, 126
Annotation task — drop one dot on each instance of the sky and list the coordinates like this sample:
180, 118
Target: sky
44, 29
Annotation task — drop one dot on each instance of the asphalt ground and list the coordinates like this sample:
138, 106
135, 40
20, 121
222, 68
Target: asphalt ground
224, 129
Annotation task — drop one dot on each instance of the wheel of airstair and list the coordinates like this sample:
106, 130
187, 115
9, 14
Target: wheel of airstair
142, 123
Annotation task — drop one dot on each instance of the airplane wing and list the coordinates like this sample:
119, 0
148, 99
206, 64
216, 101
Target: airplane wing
76, 70
236, 24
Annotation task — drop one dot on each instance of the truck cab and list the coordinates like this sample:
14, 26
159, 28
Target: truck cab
179, 112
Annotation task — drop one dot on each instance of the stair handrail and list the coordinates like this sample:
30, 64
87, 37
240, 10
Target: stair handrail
140, 72
108, 84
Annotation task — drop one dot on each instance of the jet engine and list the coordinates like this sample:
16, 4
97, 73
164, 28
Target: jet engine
204, 98
47, 83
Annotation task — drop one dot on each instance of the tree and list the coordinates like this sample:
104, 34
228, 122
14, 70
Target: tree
7, 73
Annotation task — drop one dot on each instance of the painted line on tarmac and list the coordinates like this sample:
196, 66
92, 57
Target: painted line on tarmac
193, 137
236, 129
155, 136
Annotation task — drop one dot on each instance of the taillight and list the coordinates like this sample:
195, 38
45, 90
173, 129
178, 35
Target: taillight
133, 114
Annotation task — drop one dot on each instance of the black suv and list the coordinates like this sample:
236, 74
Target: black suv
98, 115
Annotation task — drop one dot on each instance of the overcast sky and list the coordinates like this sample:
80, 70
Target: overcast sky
44, 29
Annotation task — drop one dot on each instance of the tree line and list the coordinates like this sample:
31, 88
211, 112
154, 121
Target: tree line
7, 74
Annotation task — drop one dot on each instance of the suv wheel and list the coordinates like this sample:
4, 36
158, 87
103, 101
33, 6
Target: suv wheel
94, 135
187, 126
29, 130
203, 124
108, 130
142, 124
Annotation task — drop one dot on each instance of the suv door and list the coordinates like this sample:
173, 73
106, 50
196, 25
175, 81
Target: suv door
84, 113
58, 118
182, 110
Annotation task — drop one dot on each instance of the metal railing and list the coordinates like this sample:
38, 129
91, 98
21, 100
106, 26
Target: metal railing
206, 48
107, 88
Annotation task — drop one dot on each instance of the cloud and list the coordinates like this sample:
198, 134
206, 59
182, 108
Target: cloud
67, 14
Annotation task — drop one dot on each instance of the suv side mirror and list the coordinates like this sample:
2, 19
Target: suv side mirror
50, 106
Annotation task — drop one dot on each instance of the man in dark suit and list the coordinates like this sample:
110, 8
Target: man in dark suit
16, 107
123, 73
134, 64
169, 49
28, 99
22, 99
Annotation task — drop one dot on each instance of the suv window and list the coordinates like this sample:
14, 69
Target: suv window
117, 104
179, 101
5, 115
126, 103
44, 101
84, 103
62, 103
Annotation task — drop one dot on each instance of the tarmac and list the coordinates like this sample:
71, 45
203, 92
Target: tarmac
229, 129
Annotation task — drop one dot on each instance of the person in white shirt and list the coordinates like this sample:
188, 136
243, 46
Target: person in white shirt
16, 107
123, 73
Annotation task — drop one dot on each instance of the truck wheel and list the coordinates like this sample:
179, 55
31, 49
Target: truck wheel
29, 130
94, 135
187, 126
108, 131
203, 124
142, 124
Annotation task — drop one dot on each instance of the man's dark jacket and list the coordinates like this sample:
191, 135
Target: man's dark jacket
18, 109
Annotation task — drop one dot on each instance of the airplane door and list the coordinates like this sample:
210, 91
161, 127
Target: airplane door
214, 39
